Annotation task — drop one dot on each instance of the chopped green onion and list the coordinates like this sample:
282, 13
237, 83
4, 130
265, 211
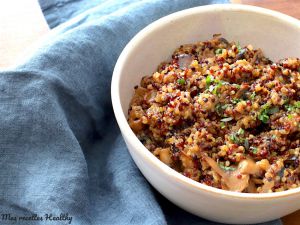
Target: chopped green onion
222, 125
263, 117
252, 96
181, 81
209, 79
234, 138
237, 86
215, 91
240, 131
265, 106
219, 109
290, 116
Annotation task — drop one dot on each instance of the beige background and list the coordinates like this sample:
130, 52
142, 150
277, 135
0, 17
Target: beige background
21, 24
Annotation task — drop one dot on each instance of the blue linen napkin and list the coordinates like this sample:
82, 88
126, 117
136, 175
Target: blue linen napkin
62, 158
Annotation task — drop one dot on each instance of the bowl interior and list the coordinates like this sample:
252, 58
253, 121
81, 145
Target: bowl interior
276, 34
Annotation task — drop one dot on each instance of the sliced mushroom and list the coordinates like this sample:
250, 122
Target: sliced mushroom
212, 163
239, 179
248, 166
184, 60
236, 181
233, 180
251, 187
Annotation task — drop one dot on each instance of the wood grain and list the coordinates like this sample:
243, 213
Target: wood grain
292, 219
289, 7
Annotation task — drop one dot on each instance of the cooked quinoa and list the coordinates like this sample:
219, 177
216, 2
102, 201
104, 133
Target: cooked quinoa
223, 115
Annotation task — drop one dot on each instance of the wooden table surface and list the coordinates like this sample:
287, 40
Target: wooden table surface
22, 24
289, 7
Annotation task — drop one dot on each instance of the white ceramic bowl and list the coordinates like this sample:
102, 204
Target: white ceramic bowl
278, 35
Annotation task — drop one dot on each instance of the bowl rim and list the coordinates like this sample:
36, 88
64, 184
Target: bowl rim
132, 138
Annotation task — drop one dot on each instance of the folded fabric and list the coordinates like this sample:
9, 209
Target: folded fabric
62, 158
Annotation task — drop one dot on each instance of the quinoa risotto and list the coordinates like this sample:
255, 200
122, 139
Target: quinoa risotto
223, 115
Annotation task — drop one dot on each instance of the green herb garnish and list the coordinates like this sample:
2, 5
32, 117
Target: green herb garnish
215, 91
227, 168
214, 88
222, 125
219, 51
266, 111
237, 86
254, 149
221, 108
265, 106
263, 117
225, 106
252, 96
293, 107
209, 80
236, 137
236, 100
181, 81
